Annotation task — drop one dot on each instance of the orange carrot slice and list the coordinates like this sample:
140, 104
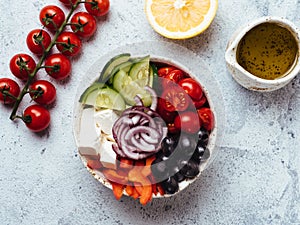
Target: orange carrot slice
125, 164
129, 190
94, 164
117, 190
135, 194
113, 176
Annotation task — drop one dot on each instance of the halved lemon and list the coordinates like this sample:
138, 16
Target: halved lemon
180, 19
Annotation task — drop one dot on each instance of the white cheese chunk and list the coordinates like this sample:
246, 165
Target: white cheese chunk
96, 135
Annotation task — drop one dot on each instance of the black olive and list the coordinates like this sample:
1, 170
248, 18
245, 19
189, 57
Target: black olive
191, 169
168, 145
170, 185
160, 169
179, 177
203, 136
198, 153
186, 145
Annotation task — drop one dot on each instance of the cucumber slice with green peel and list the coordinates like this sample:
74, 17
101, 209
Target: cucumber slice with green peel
109, 99
111, 64
133, 89
87, 95
139, 72
129, 88
121, 80
123, 66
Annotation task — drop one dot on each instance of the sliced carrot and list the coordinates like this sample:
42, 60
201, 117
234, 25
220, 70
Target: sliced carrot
137, 177
160, 189
146, 195
139, 188
146, 171
125, 164
154, 189
135, 194
117, 190
129, 189
150, 159
113, 176
94, 164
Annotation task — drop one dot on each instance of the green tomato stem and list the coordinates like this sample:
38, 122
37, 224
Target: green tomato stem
31, 76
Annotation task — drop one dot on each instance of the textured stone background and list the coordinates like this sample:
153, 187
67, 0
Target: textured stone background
253, 180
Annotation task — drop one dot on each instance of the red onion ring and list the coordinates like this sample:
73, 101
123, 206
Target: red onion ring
139, 130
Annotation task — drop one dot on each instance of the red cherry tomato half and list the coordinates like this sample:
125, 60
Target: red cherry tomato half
10, 86
68, 43
43, 92
188, 122
97, 7
173, 77
83, 24
68, 2
207, 118
36, 118
192, 88
167, 116
174, 99
52, 17
21, 65
162, 72
58, 66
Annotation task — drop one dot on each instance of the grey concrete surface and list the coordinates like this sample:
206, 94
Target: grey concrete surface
253, 180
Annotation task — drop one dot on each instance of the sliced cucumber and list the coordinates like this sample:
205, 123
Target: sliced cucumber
133, 89
129, 88
109, 99
111, 64
139, 72
121, 80
87, 96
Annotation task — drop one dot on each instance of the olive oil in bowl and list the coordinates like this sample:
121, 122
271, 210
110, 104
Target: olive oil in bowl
268, 51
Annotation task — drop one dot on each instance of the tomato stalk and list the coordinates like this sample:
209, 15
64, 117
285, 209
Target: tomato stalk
6, 93
31, 76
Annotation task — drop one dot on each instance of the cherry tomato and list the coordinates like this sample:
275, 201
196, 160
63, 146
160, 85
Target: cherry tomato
52, 17
207, 118
172, 129
192, 88
58, 66
188, 122
162, 72
10, 86
68, 43
36, 118
68, 2
173, 77
167, 116
83, 24
97, 7
200, 103
43, 92
174, 99
37, 41
21, 65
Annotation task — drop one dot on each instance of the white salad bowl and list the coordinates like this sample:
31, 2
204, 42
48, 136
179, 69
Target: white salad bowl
86, 132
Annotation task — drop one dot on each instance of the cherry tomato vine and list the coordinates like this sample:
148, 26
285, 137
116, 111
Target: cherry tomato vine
57, 65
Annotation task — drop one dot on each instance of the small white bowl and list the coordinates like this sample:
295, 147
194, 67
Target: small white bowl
248, 80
